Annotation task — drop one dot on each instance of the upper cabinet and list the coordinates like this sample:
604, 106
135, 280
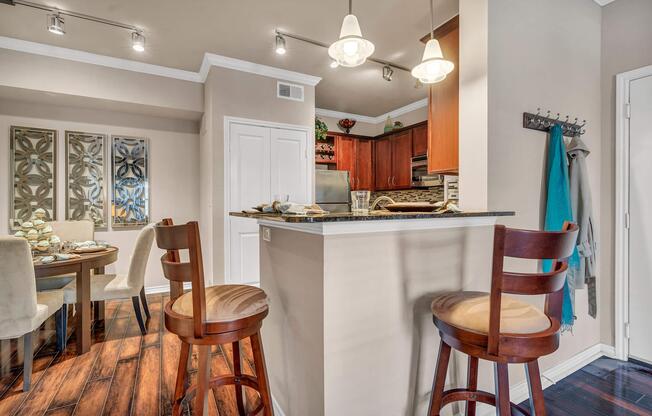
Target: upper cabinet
420, 140
392, 161
353, 154
443, 106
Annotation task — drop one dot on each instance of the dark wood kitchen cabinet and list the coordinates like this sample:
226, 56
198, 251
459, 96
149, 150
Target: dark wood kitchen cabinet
420, 140
401, 160
354, 155
383, 164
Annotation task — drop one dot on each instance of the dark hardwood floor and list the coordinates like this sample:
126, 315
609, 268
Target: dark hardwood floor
123, 374
129, 374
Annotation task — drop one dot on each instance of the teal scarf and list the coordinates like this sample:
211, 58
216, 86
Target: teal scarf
558, 210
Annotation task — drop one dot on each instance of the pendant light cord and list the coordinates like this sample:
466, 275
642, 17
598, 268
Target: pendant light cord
350, 6
432, 19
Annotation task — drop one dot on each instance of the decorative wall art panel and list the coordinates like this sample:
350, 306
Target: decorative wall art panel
33, 159
130, 164
85, 174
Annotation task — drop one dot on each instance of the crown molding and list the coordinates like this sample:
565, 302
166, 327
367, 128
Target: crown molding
95, 59
604, 2
373, 120
211, 59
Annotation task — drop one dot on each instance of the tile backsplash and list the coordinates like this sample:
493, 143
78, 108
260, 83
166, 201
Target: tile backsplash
434, 194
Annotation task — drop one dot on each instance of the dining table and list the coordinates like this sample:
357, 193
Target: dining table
82, 267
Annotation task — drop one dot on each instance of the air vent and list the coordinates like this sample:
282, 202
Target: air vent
289, 91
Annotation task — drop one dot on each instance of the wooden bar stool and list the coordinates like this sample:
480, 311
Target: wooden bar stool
503, 329
210, 316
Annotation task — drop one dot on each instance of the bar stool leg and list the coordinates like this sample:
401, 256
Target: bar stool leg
537, 403
261, 373
203, 378
439, 380
180, 386
472, 384
237, 372
501, 379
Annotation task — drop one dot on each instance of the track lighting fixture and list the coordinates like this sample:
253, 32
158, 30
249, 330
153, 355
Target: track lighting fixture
433, 67
388, 72
137, 41
55, 24
280, 45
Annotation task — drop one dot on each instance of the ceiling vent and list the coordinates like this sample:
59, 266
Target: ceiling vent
289, 91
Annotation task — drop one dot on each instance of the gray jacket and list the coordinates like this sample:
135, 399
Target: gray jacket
581, 204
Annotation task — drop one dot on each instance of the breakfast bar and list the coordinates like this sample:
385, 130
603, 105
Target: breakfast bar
350, 329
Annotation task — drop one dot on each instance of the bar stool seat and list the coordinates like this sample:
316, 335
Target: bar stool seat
470, 311
225, 303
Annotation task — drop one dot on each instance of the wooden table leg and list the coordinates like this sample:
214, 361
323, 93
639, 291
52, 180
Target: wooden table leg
83, 310
98, 305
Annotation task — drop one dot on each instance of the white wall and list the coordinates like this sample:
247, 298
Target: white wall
173, 170
543, 54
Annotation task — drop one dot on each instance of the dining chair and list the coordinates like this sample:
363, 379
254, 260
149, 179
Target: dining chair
22, 309
81, 230
208, 316
503, 329
121, 286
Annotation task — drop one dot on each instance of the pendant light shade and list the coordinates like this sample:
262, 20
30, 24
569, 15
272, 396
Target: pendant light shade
433, 67
351, 49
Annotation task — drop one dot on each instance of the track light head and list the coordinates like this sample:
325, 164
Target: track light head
280, 45
388, 72
137, 41
55, 24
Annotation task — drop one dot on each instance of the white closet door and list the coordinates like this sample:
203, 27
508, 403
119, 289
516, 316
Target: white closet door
640, 232
289, 165
249, 186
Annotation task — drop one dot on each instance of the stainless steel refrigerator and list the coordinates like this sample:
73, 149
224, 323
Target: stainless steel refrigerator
332, 190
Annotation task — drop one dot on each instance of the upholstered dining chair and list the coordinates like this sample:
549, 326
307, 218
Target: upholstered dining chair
503, 329
121, 286
82, 230
22, 309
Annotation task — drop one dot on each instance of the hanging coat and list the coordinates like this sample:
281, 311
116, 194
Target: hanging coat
581, 204
558, 211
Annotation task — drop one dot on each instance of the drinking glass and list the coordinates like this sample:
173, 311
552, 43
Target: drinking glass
360, 202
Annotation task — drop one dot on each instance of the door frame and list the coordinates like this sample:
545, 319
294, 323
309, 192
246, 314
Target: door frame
621, 248
228, 121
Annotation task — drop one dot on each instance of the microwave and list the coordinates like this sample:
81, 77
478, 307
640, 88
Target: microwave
420, 176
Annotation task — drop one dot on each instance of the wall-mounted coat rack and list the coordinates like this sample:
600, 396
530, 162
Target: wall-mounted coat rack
543, 123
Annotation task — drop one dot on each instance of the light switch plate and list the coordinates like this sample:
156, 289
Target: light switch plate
267, 234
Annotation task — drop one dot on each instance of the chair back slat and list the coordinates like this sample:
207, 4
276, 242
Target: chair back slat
533, 245
175, 270
179, 237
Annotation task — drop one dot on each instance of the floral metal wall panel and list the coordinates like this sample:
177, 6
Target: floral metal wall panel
130, 164
33, 168
85, 174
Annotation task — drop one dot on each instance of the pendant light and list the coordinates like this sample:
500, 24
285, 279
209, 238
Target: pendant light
351, 49
433, 67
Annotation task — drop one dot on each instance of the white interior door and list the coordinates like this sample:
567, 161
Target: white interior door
264, 162
289, 164
249, 161
640, 207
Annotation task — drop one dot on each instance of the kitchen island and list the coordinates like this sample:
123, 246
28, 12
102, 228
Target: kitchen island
350, 330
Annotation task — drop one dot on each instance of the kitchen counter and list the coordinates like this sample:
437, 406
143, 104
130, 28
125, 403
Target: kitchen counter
379, 215
349, 330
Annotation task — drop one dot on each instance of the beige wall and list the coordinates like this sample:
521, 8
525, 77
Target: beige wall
626, 38
543, 54
58, 76
174, 167
374, 129
237, 94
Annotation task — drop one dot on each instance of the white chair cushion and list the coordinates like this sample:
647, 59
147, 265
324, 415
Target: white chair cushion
47, 303
470, 310
103, 287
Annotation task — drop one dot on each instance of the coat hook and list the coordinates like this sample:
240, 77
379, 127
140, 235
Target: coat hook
575, 122
557, 119
567, 117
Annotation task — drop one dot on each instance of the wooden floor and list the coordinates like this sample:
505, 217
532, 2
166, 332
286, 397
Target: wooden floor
128, 374
123, 374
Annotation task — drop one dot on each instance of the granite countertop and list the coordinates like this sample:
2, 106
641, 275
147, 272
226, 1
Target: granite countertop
372, 216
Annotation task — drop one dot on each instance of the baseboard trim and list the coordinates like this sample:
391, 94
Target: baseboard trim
150, 290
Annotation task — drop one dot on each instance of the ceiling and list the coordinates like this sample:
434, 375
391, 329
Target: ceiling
179, 32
